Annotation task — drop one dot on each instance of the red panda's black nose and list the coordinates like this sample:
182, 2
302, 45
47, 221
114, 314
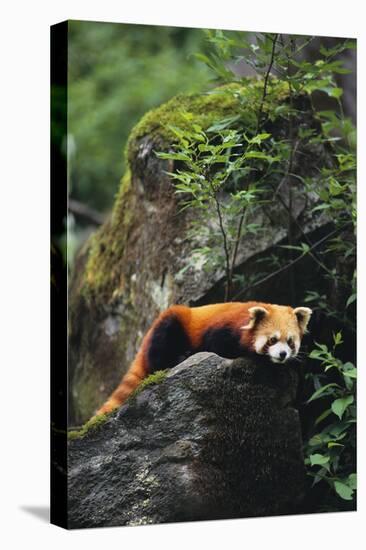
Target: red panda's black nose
283, 355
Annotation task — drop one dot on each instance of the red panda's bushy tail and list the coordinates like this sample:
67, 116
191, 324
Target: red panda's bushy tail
163, 329
135, 374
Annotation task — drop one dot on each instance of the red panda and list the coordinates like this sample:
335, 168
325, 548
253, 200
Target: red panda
231, 330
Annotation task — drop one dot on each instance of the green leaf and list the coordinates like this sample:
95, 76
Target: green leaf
351, 299
343, 490
337, 430
203, 58
291, 247
173, 156
340, 405
223, 123
352, 481
336, 92
261, 155
321, 390
321, 417
349, 370
316, 354
259, 138
318, 459
323, 206
337, 338
352, 373
316, 440
219, 159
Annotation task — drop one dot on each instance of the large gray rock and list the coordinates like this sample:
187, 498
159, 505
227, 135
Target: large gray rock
215, 439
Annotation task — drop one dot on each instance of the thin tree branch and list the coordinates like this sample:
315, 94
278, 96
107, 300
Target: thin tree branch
243, 219
294, 145
227, 257
223, 232
290, 264
86, 212
289, 169
303, 234
288, 172
259, 116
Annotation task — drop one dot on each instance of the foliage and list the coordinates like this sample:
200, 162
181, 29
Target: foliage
116, 72
210, 161
330, 452
181, 111
238, 163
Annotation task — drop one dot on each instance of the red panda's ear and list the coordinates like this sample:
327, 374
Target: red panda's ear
303, 315
257, 313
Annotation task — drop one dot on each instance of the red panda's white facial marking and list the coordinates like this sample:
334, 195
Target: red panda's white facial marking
279, 352
278, 333
280, 349
260, 343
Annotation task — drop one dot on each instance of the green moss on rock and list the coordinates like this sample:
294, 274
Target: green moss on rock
203, 109
103, 268
182, 111
97, 421
92, 424
156, 378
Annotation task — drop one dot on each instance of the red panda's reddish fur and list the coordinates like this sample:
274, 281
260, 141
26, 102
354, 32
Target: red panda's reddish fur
195, 321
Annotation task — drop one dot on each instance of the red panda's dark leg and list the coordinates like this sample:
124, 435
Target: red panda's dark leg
168, 344
224, 341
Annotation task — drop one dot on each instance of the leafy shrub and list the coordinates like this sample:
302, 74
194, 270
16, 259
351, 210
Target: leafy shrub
330, 451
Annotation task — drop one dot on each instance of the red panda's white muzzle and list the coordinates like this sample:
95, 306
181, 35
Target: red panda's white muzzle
280, 352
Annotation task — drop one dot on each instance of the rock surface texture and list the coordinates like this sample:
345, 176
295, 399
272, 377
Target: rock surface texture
138, 263
215, 439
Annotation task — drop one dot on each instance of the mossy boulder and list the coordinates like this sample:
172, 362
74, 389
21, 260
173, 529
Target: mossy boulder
214, 439
137, 263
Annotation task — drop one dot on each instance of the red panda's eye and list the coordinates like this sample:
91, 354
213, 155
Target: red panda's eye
272, 340
290, 341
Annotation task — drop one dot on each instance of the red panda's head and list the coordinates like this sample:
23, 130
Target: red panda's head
277, 330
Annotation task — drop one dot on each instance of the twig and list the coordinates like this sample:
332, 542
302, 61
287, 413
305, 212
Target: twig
290, 264
226, 248
238, 235
227, 257
84, 211
303, 234
289, 168
259, 116
293, 149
